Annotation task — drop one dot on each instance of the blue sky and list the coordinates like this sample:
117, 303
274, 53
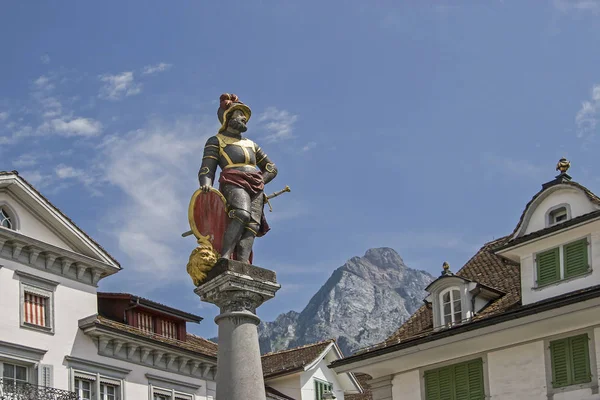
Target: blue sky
422, 126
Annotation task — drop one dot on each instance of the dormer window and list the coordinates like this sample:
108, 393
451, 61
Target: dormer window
451, 306
5, 219
559, 215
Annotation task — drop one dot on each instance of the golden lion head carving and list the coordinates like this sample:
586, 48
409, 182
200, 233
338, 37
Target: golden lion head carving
202, 259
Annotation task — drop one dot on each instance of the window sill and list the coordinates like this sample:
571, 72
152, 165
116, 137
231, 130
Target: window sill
43, 329
569, 279
571, 388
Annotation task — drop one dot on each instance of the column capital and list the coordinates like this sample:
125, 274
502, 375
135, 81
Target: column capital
234, 286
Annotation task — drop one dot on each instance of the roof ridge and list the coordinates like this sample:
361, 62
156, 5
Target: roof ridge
299, 347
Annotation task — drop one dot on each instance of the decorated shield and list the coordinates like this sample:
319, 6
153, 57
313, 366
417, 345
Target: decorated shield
208, 216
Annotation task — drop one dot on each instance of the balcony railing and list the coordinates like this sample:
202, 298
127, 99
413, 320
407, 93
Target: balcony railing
11, 390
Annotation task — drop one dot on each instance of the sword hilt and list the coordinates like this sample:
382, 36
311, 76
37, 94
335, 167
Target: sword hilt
273, 195
282, 191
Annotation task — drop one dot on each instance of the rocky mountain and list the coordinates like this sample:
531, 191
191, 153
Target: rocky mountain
361, 304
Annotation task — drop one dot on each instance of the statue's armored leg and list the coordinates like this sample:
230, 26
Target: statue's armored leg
244, 248
238, 221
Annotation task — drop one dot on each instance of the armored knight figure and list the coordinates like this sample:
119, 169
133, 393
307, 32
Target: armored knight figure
245, 169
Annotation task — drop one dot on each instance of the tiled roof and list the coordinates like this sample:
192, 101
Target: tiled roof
150, 303
273, 394
292, 360
193, 343
5, 173
486, 268
366, 395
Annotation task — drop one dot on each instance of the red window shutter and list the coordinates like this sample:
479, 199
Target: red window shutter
145, 322
169, 329
35, 309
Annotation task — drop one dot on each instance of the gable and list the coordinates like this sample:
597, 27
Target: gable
29, 224
576, 200
39, 219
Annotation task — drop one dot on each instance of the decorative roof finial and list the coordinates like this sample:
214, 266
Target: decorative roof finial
446, 269
563, 165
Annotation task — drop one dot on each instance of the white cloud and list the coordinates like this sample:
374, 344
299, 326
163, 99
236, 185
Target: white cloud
118, 86
577, 5
25, 160
3, 116
154, 69
155, 168
85, 127
45, 59
43, 83
588, 115
279, 124
66, 172
36, 178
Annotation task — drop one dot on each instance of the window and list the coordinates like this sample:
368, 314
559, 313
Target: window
168, 394
557, 216
83, 388
36, 309
87, 385
562, 262
451, 306
108, 391
321, 388
168, 329
456, 382
5, 219
570, 361
145, 322
13, 375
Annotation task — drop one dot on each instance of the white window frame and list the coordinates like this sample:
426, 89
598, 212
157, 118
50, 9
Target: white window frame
171, 394
451, 289
27, 367
97, 380
12, 215
550, 218
40, 287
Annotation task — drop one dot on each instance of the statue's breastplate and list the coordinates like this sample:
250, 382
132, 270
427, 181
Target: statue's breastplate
236, 152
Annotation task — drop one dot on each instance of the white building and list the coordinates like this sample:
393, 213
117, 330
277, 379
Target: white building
51, 333
521, 319
62, 339
303, 373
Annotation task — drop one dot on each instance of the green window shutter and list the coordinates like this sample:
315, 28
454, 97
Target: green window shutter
576, 258
317, 388
476, 386
461, 382
580, 359
559, 354
548, 266
446, 383
432, 385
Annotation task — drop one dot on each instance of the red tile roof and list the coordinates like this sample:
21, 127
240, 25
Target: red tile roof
292, 360
486, 268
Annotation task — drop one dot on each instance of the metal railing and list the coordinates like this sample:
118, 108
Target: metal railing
11, 390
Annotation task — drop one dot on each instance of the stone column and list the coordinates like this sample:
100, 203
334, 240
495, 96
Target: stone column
238, 289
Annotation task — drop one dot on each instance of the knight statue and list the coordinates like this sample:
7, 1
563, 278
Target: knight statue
245, 169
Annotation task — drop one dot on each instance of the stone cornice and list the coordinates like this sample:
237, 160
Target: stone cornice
43, 256
137, 349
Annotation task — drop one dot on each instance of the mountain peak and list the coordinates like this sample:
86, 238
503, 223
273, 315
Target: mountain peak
385, 257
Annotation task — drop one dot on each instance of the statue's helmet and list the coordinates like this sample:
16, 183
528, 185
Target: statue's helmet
227, 105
